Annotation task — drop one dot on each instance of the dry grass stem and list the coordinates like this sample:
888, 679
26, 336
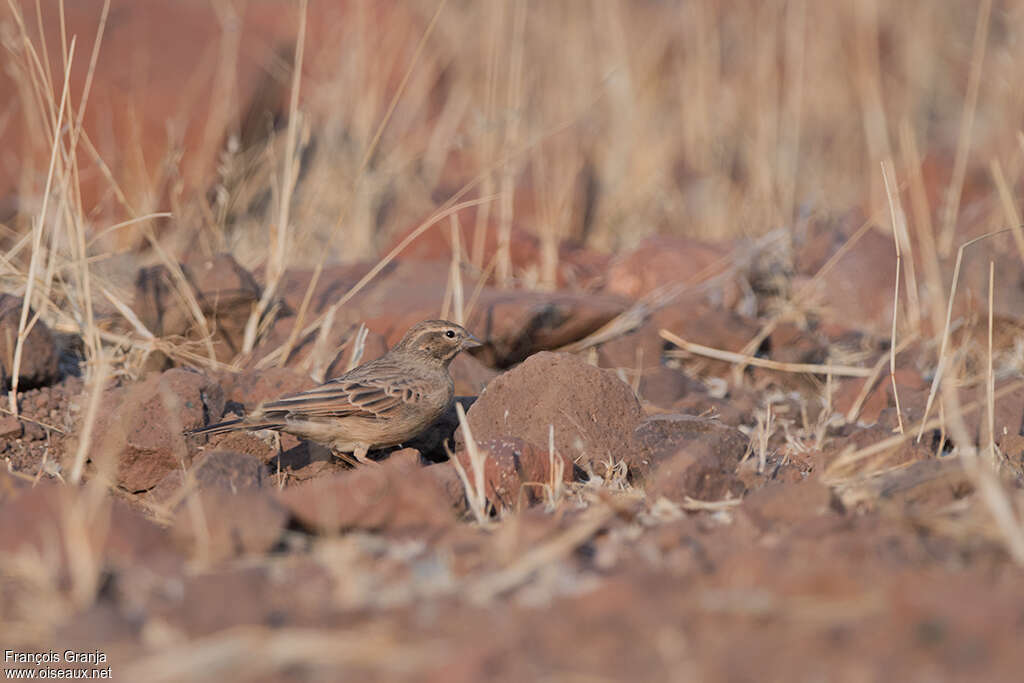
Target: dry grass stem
693, 505
476, 494
731, 357
276, 355
38, 225
876, 372
990, 378
892, 442
898, 235
285, 351
85, 445
358, 347
1010, 211
946, 328
278, 253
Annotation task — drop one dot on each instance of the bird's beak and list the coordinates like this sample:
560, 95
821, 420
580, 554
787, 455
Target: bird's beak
471, 342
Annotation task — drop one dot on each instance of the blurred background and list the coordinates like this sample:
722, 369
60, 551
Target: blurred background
588, 123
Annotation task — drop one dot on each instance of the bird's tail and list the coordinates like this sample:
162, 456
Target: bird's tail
225, 427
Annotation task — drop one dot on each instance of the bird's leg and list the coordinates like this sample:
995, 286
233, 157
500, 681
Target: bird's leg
345, 457
360, 455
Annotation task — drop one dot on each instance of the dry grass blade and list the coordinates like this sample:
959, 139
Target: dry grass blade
635, 316
556, 472
731, 357
278, 254
801, 295
506, 204
37, 237
1009, 207
370, 150
853, 457
693, 505
127, 224
936, 380
458, 296
876, 372
358, 347
898, 235
184, 291
476, 495
321, 349
990, 377
99, 380
277, 355
128, 314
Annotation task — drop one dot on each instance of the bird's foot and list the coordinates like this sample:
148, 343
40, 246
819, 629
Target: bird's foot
356, 458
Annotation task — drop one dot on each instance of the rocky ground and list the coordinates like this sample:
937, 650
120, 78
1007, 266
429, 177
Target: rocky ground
630, 511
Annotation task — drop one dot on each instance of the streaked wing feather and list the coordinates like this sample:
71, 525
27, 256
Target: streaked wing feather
372, 395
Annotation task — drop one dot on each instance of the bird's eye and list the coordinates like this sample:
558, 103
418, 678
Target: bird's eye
450, 334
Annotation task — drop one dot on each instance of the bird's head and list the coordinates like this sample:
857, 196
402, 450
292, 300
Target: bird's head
437, 339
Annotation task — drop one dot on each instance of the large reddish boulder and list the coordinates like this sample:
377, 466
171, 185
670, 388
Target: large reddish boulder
591, 411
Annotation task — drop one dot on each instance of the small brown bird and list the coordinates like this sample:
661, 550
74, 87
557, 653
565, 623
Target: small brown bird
381, 403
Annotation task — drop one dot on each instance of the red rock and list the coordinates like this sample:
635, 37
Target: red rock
138, 550
229, 471
661, 260
470, 375
216, 524
513, 324
374, 346
712, 327
34, 520
1012, 446
576, 266
857, 290
592, 411
158, 94
778, 504
248, 443
860, 438
736, 408
913, 392
681, 455
396, 495
644, 347
665, 387
224, 291
141, 425
659, 437
39, 356
10, 427
515, 472
252, 387
451, 485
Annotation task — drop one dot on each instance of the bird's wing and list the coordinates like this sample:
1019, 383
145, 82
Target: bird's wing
373, 395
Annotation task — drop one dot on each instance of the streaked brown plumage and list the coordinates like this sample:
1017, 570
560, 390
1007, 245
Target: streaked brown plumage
382, 403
